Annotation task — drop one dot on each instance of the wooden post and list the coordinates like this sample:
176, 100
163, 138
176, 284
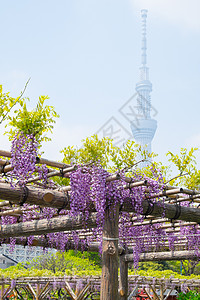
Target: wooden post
123, 278
15, 294
2, 291
38, 291
161, 292
109, 277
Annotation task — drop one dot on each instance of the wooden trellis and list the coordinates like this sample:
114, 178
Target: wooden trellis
59, 197
43, 287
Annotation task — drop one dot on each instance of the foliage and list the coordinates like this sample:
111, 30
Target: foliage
113, 158
102, 150
13, 273
19, 271
161, 274
185, 162
91, 184
154, 266
190, 267
185, 267
88, 270
7, 103
67, 262
37, 122
193, 295
189, 177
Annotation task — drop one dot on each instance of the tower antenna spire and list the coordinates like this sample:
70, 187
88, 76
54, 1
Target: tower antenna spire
144, 36
144, 132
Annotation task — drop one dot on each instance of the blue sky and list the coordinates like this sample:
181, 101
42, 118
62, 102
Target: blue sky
85, 55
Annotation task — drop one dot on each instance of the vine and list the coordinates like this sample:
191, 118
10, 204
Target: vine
23, 157
93, 190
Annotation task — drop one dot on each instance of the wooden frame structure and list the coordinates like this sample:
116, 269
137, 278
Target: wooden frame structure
34, 193
42, 287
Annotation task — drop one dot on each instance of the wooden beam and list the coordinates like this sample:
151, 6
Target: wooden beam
167, 255
54, 173
32, 195
188, 214
39, 160
39, 227
52, 198
94, 247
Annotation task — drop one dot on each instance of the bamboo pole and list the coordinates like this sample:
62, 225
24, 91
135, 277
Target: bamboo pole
174, 224
191, 198
4, 203
168, 210
54, 173
4, 162
39, 160
11, 212
173, 192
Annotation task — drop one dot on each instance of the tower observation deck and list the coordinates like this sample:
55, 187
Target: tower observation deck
145, 129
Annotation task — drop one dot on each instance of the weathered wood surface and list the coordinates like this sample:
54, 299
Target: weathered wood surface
54, 173
123, 278
109, 277
39, 160
188, 214
52, 198
167, 255
41, 242
94, 247
45, 226
31, 195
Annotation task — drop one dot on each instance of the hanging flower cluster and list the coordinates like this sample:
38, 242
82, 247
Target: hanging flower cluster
23, 157
92, 189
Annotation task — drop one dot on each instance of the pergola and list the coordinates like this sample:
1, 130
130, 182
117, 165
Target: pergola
179, 209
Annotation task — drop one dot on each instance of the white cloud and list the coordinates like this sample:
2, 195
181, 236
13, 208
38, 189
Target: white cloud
184, 14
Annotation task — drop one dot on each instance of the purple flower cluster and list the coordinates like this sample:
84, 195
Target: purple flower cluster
80, 192
23, 157
42, 173
12, 244
90, 190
